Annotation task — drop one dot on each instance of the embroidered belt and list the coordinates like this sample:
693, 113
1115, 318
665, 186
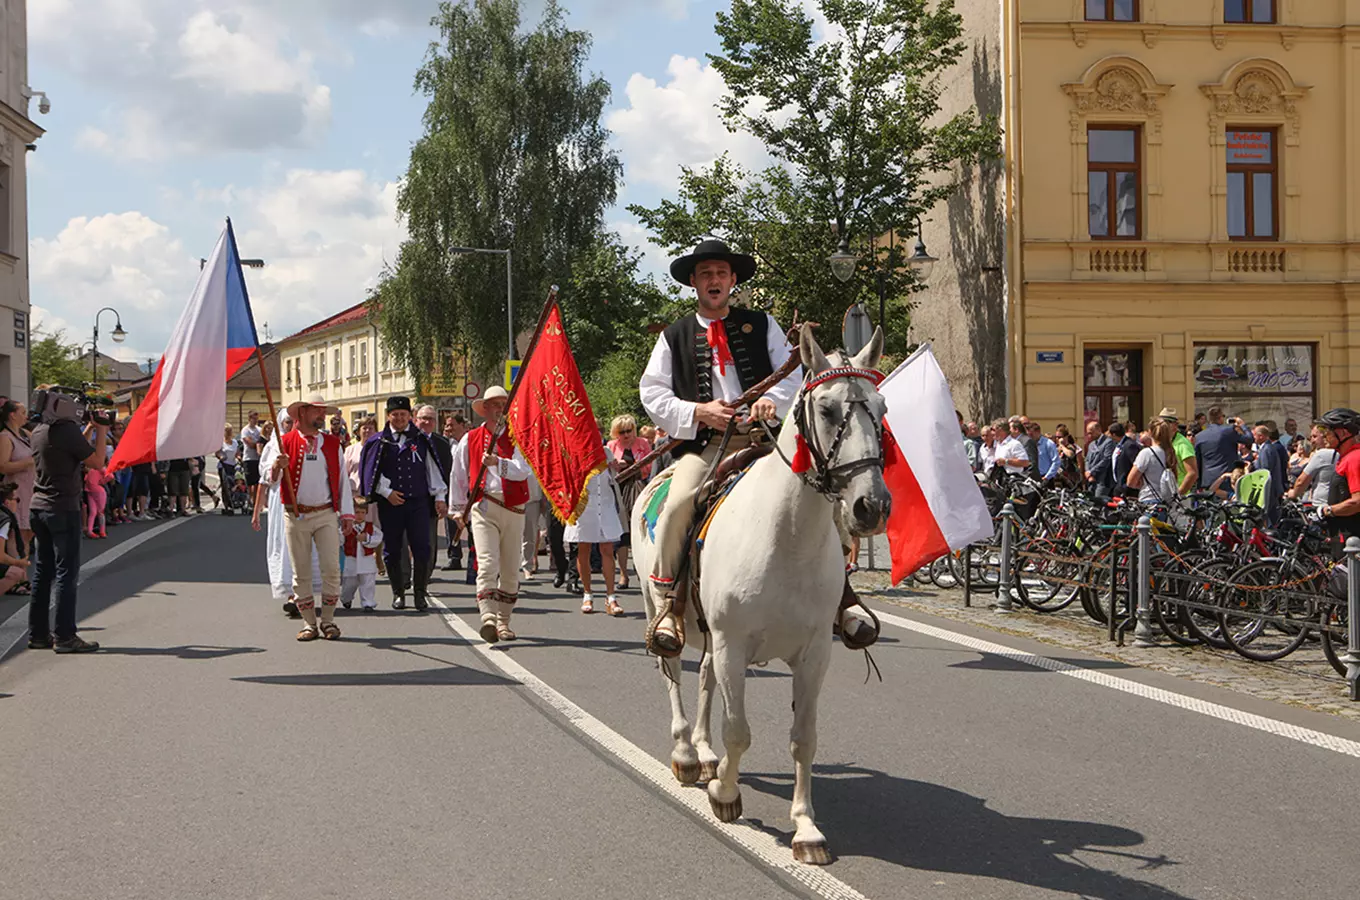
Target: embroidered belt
502, 504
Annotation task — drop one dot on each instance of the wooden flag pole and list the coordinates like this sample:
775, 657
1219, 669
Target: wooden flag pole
274, 417
514, 389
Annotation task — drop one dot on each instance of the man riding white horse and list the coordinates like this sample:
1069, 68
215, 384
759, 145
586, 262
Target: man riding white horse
699, 369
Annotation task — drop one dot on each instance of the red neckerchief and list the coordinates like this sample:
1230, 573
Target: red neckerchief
717, 339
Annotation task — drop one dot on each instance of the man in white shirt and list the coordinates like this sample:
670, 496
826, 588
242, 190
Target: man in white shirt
250, 455
317, 504
1011, 452
401, 467
699, 368
489, 470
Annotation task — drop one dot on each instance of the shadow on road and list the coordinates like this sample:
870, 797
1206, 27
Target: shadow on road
917, 825
452, 676
190, 651
988, 662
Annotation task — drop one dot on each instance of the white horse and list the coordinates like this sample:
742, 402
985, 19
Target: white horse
772, 573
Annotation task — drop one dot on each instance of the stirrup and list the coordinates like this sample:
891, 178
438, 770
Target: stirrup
666, 643
866, 642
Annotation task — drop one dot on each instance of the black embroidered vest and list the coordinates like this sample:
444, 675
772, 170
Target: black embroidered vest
692, 359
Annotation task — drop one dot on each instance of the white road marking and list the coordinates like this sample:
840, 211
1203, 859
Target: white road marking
1104, 679
16, 626
758, 844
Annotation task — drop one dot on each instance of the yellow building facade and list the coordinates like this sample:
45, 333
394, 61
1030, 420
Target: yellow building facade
1182, 207
344, 359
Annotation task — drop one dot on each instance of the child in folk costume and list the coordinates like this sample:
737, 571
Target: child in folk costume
360, 568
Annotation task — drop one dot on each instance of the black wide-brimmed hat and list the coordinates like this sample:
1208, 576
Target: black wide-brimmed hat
742, 265
396, 403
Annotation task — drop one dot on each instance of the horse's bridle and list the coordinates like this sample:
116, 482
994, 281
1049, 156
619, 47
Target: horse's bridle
826, 476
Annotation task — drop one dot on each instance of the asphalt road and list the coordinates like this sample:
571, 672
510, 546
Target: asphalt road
206, 753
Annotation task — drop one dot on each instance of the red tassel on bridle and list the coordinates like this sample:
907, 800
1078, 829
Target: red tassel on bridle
802, 457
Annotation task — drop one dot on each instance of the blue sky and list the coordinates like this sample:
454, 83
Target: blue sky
295, 119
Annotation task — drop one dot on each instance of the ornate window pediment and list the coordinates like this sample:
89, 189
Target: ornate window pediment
1120, 85
1257, 88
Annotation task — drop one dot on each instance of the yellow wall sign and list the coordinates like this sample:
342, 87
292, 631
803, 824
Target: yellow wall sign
511, 371
445, 380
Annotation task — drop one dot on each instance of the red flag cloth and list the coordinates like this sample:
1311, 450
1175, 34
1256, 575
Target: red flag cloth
552, 423
914, 537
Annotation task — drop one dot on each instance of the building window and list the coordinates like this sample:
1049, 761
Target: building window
363, 358
1112, 10
288, 374
1257, 381
353, 360
323, 365
1256, 12
311, 370
1253, 167
1114, 386
1114, 177
385, 357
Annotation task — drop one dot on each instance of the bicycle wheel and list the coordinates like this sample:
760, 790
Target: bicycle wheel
1053, 583
1170, 581
942, 573
1202, 595
1095, 595
1255, 592
1334, 646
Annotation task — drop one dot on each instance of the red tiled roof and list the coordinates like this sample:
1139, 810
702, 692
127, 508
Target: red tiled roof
353, 314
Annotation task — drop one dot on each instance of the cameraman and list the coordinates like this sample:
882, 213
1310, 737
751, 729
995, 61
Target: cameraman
60, 449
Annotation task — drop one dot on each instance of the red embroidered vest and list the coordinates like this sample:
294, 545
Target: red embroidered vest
516, 492
352, 547
295, 448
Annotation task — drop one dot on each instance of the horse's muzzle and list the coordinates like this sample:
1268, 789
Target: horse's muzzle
869, 514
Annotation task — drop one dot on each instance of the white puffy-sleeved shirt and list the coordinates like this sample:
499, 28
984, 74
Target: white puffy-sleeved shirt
513, 468
676, 416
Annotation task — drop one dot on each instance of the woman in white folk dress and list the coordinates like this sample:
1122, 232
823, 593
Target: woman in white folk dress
276, 545
599, 524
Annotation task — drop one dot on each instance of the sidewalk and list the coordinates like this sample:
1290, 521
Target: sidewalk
1303, 679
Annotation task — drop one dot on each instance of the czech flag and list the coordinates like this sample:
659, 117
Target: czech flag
184, 408
937, 507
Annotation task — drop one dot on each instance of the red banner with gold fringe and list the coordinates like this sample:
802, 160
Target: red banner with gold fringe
552, 423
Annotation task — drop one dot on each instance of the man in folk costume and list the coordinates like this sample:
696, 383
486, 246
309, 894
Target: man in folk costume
400, 468
317, 505
494, 476
699, 368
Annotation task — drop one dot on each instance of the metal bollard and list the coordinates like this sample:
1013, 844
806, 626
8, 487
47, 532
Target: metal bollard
968, 576
1003, 589
1143, 635
1352, 658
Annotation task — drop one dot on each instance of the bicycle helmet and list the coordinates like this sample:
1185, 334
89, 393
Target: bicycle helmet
1342, 417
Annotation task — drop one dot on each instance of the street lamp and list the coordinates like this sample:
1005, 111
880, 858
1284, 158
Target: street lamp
843, 262
118, 337
509, 292
921, 261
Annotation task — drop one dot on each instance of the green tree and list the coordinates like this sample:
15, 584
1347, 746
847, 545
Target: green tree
56, 362
854, 125
513, 155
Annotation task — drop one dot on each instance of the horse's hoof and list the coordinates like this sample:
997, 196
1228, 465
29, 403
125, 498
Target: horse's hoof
708, 771
687, 773
726, 812
811, 853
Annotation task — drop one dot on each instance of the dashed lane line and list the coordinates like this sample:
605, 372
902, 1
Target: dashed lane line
755, 843
16, 626
1160, 695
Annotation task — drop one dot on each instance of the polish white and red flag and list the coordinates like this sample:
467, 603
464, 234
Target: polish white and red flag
937, 507
214, 339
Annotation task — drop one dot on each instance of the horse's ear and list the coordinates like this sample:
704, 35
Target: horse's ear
869, 357
814, 360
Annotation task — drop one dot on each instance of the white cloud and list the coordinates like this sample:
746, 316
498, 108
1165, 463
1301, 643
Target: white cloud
185, 78
323, 234
677, 124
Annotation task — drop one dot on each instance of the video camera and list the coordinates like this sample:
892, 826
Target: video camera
58, 403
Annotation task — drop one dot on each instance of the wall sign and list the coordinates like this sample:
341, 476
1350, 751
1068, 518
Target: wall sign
1048, 356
